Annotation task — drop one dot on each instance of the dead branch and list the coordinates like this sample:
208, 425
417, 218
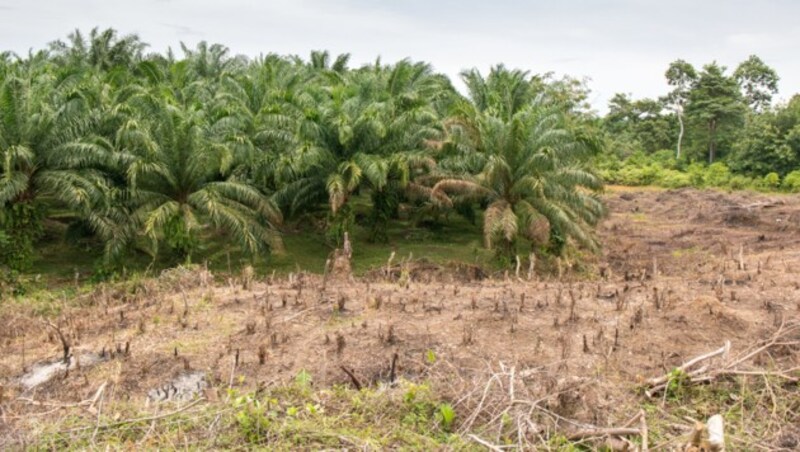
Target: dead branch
484, 443
685, 366
707, 374
64, 343
602, 432
353, 378
643, 430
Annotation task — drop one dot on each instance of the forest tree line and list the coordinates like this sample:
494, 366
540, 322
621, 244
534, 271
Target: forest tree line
715, 127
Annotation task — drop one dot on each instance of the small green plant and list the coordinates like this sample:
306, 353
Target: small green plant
303, 378
677, 382
251, 419
430, 357
411, 393
446, 415
313, 409
560, 442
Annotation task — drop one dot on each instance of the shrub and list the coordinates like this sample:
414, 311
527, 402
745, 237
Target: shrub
665, 158
697, 174
671, 178
644, 175
771, 181
609, 176
740, 182
792, 181
717, 175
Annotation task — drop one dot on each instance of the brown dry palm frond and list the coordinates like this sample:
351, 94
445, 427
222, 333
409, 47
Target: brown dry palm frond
499, 221
538, 229
418, 192
463, 188
435, 145
337, 192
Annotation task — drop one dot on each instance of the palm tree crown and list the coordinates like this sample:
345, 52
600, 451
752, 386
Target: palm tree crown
531, 168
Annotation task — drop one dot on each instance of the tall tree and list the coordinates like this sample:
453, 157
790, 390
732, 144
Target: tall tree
770, 141
681, 76
639, 123
758, 82
715, 106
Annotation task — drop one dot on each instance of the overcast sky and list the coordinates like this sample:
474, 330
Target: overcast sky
620, 45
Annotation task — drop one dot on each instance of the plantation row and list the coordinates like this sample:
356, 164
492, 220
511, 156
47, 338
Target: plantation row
158, 153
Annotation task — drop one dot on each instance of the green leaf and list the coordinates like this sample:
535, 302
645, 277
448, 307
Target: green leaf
303, 378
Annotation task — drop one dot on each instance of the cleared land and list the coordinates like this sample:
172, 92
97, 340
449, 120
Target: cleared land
190, 360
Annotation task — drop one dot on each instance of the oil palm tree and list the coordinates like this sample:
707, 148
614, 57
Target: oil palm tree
176, 187
211, 62
511, 150
370, 128
101, 49
47, 156
321, 61
259, 112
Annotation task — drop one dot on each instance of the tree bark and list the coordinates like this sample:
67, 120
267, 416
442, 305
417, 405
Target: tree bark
712, 143
680, 136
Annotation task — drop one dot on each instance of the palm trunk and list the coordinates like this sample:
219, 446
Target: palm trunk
507, 249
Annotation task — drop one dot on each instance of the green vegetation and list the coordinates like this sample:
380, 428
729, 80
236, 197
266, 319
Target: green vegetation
150, 160
661, 169
408, 416
116, 164
529, 166
714, 129
290, 417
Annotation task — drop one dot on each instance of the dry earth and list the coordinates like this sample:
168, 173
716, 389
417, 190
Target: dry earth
681, 273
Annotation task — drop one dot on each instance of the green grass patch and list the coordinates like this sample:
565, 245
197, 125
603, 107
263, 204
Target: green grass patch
289, 417
59, 262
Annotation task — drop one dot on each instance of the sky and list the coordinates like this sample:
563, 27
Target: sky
618, 45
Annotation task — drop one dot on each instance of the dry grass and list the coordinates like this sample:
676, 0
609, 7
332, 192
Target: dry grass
522, 363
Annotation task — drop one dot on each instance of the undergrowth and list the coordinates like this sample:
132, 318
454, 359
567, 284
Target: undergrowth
295, 416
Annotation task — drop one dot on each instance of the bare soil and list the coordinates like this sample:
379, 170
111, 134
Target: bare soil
681, 272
